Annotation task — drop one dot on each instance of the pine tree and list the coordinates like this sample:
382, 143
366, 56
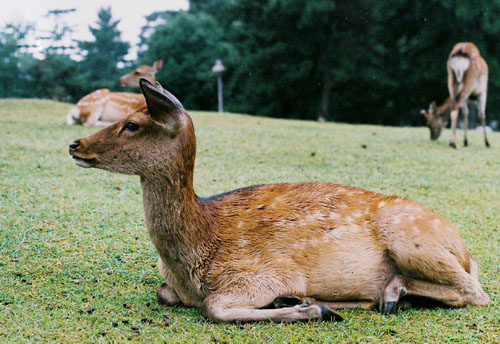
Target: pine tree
102, 54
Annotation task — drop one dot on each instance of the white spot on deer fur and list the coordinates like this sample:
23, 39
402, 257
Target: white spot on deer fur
396, 220
317, 215
397, 200
313, 241
339, 232
243, 242
357, 214
348, 219
241, 224
411, 217
415, 230
436, 223
333, 215
381, 204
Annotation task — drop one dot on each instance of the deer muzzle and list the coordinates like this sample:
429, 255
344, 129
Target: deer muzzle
80, 161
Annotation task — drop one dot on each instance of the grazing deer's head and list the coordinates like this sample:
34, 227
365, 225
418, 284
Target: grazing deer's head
141, 72
156, 139
435, 122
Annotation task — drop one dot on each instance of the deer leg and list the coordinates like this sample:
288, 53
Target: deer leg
292, 300
454, 118
167, 296
243, 302
344, 304
426, 247
482, 110
465, 111
164, 294
95, 115
400, 286
102, 124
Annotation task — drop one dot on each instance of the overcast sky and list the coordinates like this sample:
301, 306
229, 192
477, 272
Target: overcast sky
130, 12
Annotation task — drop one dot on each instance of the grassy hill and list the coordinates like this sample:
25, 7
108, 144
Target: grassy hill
77, 265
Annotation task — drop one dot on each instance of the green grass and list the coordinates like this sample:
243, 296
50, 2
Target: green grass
75, 256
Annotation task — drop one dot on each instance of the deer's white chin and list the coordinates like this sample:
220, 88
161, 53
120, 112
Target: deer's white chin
86, 163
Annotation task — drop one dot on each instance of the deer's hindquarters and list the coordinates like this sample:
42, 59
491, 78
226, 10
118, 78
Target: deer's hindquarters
73, 116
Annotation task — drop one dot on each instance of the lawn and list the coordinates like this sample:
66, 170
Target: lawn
77, 265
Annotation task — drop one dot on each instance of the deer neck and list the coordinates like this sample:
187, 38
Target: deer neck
179, 223
445, 107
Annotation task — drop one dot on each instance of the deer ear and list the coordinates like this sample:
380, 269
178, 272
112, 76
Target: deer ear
163, 107
158, 64
426, 114
432, 107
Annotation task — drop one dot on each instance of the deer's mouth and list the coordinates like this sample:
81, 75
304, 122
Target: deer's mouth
82, 162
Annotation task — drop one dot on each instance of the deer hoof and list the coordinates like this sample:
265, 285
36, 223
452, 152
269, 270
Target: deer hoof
453, 144
387, 307
466, 143
286, 301
487, 144
327, 314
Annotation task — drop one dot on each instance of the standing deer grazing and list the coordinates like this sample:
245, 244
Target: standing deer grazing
235, 253
103, 107
467, 80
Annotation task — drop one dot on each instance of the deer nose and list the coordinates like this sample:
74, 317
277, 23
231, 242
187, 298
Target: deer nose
73, 145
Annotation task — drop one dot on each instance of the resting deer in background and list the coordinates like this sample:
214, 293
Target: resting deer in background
467, 79
235, 253
103, 107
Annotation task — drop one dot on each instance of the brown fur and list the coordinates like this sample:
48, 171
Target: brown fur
102, 107
234, 253
141, 72
468, 80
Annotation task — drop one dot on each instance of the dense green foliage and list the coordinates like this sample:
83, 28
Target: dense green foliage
77, 264
362, 61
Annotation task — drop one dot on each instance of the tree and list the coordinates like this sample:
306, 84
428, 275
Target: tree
102, 54
188, 43
13, 77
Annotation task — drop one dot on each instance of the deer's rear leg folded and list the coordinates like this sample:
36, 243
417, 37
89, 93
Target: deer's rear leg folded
455, 296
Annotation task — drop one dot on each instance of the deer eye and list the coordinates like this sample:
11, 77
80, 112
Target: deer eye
136, 72
131, 126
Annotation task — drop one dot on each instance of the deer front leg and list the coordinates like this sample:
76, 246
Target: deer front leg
242, 303
292, 300
164, 294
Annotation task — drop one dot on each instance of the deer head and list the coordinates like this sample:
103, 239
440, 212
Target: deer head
435, 121
156, 140
141, 72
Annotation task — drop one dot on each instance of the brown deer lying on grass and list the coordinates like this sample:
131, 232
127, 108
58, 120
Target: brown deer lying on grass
234, 254
103, 107
467, 79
